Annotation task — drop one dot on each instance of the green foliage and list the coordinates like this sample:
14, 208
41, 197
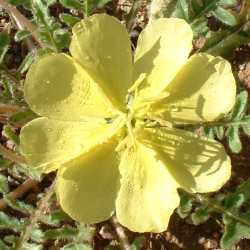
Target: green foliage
72, 4
69, 19
22, 116
27, 61
21, 35
4, 186
11, 135
4, 44
234, 29
3, 246
25, 3
231, 126
138, 243
86, 8
50, 32
185, 206
234, 231
7, 222
233, 207
76, 246
19, 205
195, 9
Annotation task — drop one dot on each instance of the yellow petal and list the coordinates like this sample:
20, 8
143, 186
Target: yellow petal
101, 44
162, 49
58, 87
148, 194
204, 90
48, 143
87, 187
198, 164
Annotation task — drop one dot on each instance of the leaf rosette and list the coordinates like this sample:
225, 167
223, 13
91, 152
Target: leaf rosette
109, 121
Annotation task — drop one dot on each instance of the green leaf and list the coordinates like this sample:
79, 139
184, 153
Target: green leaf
196, 6
227, 3
199, 27
46, 24
10, 135
246, 129
181, 10
234, 232
101, 3
72, 4
76, 246
60, 233
227, 40
3, 246
18, 205
201, 215
22, 116
238, 197
7, 222
201, 8
4, 44
69, 19
208, 132
27, 61
25, 3
219, 132
62, 37
225, 16
234, 201
4, 162
4, 187
185, 205
21, 35
138, 243
50, 2
85, 232
234, 139
37, 235
55, 218
240, 106
31, 246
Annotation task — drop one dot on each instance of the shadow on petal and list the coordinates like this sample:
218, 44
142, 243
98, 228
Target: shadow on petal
195, 93
197, 164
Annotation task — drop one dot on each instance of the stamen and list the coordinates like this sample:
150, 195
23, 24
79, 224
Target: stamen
137, 83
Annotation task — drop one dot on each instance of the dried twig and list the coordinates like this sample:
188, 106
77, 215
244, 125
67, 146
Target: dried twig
121, 235
8, 108
21, 21
19, 192
10, 155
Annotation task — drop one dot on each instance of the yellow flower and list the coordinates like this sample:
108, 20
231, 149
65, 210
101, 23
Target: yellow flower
108, 123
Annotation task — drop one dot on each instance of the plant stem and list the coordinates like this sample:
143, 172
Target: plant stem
86, 8
215, 124
213, 204
43, 204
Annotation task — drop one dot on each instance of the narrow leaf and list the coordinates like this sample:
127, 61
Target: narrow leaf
225, 16
234, 139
